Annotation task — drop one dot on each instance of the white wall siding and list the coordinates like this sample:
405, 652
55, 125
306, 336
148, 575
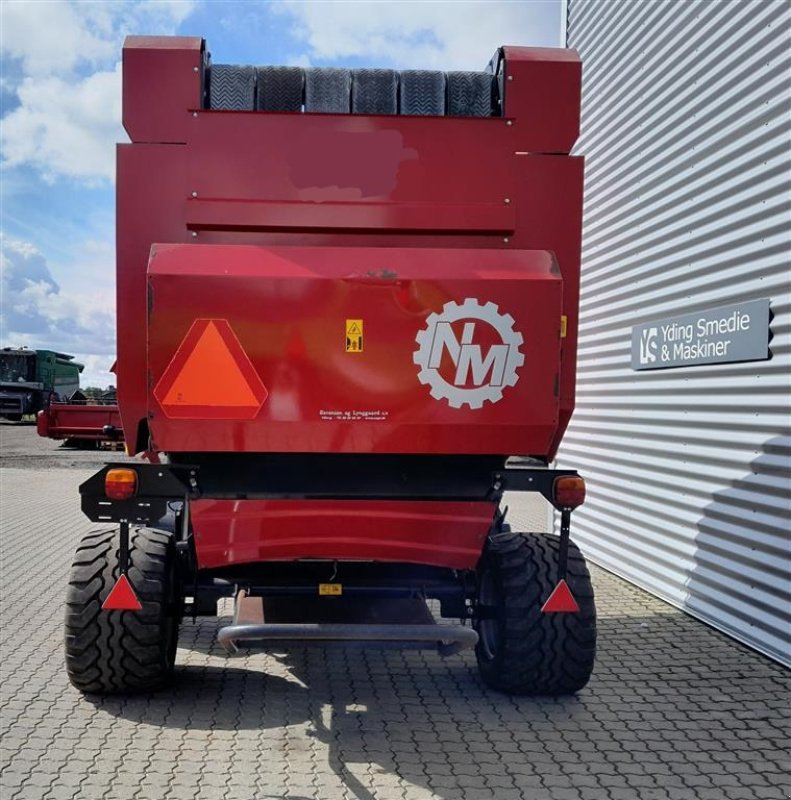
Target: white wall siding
686, 130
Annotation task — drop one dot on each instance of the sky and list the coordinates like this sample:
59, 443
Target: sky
60, 117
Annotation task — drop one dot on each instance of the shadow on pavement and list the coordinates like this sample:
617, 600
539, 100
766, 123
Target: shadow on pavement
388, 708
401, 710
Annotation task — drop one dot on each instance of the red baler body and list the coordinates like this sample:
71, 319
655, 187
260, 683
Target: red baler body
288, 306
441, 534
248, 242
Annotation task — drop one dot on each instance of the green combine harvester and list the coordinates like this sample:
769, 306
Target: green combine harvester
31, 379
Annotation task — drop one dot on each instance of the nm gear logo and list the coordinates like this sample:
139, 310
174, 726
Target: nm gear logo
468, 353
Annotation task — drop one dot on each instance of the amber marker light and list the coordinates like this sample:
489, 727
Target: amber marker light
569, 491
120, 484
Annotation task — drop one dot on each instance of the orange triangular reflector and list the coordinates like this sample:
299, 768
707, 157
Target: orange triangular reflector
210, 376
122, 597
561, 600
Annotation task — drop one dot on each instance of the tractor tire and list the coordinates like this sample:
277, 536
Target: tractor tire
422, 93
231, 88
122, 651
470, 94
522, 650
328, 90
374, 91
279, 88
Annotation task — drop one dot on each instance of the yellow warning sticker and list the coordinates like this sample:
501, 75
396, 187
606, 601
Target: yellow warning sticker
354, 336
564, 324
331, 589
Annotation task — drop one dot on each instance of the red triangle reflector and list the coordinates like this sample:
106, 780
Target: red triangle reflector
561, 600
122, 597
210, 376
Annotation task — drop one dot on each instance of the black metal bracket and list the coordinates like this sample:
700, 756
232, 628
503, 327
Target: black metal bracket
530, 479
157, 485
111, 432
563, 545
418, 478
123, 547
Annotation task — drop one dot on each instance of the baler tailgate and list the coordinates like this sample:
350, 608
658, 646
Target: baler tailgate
457, 350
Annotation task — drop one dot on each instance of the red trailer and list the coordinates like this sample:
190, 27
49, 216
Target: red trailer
83, 423
345, 299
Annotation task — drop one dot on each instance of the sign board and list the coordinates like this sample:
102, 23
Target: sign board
715, 336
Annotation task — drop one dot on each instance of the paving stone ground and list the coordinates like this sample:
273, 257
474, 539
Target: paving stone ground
675, 710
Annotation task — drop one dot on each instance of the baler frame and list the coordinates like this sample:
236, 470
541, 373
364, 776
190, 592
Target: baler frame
289, 470
163, 488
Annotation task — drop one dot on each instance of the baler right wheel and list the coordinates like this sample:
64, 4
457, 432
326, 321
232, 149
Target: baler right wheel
122, 651
522, 650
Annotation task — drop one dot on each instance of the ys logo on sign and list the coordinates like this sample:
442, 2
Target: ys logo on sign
468, 353
648, 346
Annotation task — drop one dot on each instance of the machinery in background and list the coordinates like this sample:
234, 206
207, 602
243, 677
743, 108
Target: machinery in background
81, 424
31, 379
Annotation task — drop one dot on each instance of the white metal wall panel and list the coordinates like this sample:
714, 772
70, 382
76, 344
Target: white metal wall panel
685, 128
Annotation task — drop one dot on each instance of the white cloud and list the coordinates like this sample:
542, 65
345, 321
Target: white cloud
62, 88
97, 370
39, 314
302, 60
430, 35
66, 127
52, 37
67, 81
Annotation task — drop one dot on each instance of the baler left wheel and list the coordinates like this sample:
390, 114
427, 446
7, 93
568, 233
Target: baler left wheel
122, 651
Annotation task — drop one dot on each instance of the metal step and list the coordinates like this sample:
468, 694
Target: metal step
403, 623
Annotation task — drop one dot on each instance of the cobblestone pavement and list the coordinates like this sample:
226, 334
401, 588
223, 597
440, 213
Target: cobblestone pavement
22, 448
675, 710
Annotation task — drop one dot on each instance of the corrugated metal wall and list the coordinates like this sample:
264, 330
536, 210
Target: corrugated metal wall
685, 127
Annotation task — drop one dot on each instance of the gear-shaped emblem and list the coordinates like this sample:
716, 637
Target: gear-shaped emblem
491, 372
